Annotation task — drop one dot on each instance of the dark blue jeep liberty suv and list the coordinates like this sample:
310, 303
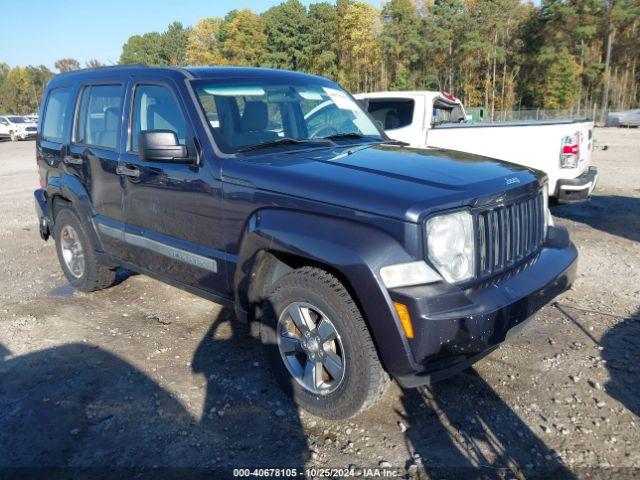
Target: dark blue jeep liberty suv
355, 258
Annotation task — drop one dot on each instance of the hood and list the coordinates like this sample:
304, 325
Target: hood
398, 182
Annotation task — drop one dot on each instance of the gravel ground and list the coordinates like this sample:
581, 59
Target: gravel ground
144, 375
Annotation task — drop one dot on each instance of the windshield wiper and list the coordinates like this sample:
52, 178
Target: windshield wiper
287, 141
358, 136
345, 136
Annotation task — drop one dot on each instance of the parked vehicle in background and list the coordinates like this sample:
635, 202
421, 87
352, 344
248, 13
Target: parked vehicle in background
355, 258
16, 127
624, 118
33, 118
560, 148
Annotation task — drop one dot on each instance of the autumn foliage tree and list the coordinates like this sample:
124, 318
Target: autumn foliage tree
499, 54
579, 55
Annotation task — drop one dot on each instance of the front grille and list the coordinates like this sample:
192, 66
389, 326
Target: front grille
509, 234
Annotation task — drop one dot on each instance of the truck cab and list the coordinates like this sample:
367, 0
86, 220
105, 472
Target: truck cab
356, 260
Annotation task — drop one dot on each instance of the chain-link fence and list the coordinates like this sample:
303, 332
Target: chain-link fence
481, 114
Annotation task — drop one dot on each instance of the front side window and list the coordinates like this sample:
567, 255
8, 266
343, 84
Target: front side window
392, 113
55, 114
15, 119
99, 116
155, 108
243, 114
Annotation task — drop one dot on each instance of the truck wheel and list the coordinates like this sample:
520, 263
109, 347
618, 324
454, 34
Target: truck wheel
320, 346
77, 255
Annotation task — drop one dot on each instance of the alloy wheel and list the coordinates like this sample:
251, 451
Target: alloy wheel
311, 348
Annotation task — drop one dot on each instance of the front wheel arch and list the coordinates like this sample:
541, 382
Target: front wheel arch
292, 238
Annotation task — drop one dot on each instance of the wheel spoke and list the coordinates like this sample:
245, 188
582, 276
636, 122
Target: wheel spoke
333, 364
302, 318
312, 374
290, 345
326, 331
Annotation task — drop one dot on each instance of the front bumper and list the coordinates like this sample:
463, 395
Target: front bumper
455, 328
577, 189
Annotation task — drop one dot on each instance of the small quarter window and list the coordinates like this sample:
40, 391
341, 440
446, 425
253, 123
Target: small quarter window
55, 114
98, 121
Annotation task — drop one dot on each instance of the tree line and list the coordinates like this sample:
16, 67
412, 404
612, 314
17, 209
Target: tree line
498, 54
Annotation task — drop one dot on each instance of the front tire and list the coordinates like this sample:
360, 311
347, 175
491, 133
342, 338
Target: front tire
13, 136
77, 255
319, 345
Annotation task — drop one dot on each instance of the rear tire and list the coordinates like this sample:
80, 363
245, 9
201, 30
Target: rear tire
334, 393
77, 255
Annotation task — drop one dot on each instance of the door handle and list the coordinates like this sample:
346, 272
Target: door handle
72, 160
129, 171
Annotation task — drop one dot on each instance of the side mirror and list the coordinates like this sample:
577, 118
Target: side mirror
161, 146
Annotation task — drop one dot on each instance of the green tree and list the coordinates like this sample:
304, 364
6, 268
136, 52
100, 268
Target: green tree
560, 84
320, 54
402, 43
173, 44
244, 38
360, 55
145, 49
38, 78
287, 29
204, 45
16, 96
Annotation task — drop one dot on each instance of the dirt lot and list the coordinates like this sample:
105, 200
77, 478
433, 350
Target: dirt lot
144, 375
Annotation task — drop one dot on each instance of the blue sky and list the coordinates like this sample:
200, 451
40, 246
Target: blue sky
42, 31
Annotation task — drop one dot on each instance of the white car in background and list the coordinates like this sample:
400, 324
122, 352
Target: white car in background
16, 127
560, 148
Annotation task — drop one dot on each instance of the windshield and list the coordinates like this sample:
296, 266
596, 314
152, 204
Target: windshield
18, 120
243, 115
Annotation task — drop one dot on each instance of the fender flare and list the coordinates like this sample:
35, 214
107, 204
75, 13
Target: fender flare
70, 188
355, 250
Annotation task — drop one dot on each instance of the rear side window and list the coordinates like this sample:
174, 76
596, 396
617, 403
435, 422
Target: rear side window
98, 121
392, 113
155, 108
55, 114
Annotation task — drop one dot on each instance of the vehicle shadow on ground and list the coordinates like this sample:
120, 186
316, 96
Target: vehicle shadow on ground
78, 406
621, 350
620, 347
609, 213
461, 428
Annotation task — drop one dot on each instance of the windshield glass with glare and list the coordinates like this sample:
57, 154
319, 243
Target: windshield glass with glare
17, 120
244, 115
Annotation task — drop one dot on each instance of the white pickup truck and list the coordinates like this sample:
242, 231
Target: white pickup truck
560, 148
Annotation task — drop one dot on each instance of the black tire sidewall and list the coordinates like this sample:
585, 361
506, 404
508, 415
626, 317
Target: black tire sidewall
66, 216
350, 395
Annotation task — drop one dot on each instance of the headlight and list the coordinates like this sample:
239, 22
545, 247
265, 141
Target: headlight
450, 245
